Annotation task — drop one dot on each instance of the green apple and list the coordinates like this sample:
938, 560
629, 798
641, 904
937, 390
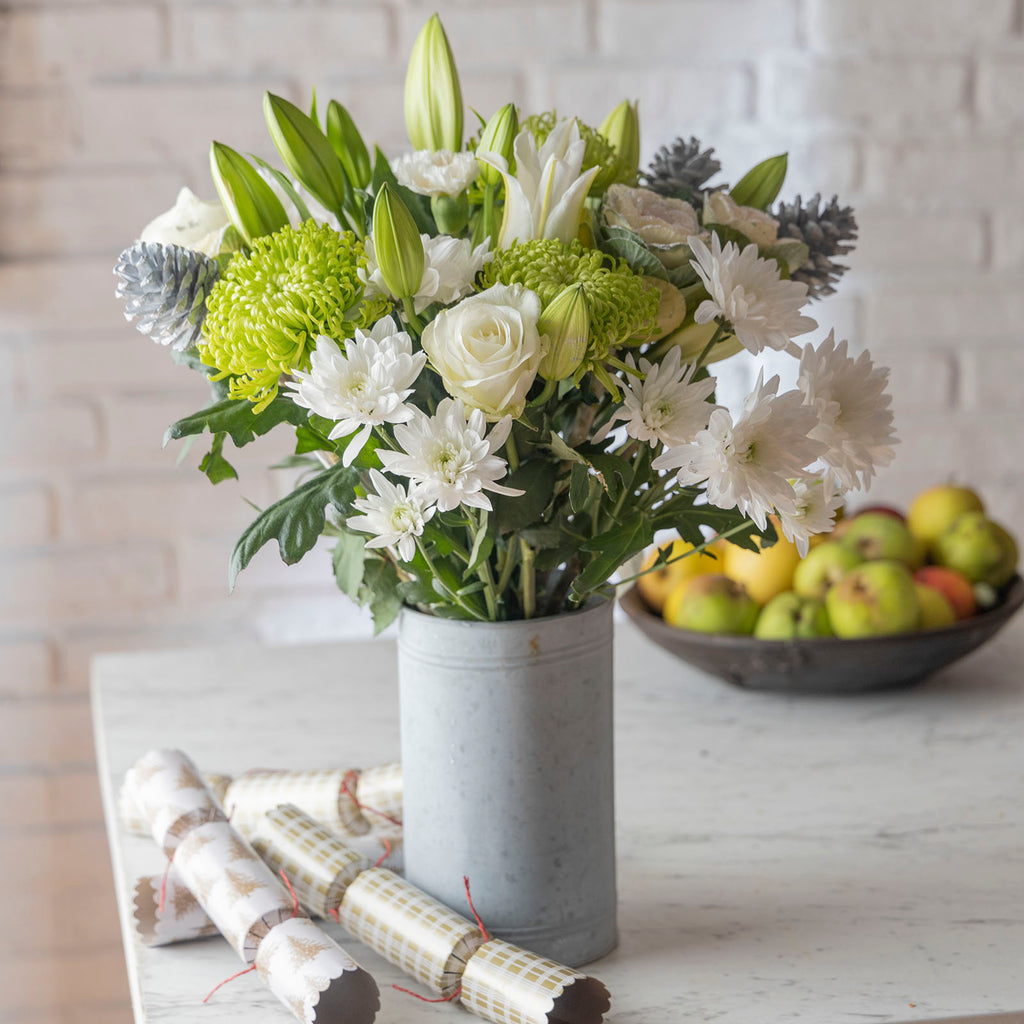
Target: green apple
788, 616
713, 603
823, 567
936, 611
877, 535
932, 512
874, 599
979, 548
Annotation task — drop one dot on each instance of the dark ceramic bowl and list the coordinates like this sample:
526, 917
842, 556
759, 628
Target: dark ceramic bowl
826, 664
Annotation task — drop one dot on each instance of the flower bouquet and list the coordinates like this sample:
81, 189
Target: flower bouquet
495, 351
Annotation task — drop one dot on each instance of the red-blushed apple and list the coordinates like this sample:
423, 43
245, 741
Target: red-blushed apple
874, 599
882, 510
954, 586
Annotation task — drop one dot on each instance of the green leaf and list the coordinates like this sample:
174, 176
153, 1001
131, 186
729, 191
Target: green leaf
608, 468
286, 185
418, 206
629, 246
214, 465
483, 545
249, 201
236, 418
307, 439
349, 563
537, 479
417, 591
296, 521
579, 487
761, 184
613, 547
789, 253
381, 590
348, 144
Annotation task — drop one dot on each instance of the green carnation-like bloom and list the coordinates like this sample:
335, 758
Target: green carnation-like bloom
599, 152
622, 305
264, 314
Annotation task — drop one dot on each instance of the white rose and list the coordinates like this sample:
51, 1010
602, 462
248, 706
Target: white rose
760, 227
436, 172
662, 222
487, 349
192, 223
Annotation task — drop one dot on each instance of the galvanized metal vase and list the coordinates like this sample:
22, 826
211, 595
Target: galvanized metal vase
508, 775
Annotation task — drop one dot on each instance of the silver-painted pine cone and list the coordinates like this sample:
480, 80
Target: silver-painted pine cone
828, 230
165, 289
681, 169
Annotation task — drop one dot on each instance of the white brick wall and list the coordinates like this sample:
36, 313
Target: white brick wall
910, 109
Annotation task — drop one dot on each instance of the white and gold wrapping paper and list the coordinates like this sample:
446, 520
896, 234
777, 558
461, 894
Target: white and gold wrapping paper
409, 929
327, 795
319, 867
171, 796
239, 893
314, 977
180, 919
379, 792
507, 985
134, 821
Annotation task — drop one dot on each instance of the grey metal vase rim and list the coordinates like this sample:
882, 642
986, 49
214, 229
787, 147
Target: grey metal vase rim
541, 620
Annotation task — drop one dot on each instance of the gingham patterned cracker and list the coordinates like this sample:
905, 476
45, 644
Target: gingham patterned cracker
239, 893
171, 796
181, 919
316, 979
379, 792
326, 795
319, 866
507, 985
132, 819
409, 929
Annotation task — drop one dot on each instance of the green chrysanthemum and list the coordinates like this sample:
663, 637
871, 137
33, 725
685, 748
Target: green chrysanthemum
622, 305
264, 314
599, 152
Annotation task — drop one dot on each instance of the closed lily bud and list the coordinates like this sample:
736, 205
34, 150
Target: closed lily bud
622, 129
433, 96
397, 244
348, 144
306, 151
566, 323
250, 202
497, 139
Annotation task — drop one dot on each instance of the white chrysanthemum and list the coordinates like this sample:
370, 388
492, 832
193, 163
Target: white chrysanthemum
816, 500
853, 407
395, 517
361, 386
747, 291
436, 172
451, 458
748, 464
449, 268
667, 406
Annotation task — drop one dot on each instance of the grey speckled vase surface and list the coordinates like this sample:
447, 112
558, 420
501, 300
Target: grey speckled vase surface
508, 776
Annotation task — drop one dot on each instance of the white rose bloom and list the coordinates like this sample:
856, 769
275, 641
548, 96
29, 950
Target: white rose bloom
449, 268
758, 226
487, 349
436, 172
192, 223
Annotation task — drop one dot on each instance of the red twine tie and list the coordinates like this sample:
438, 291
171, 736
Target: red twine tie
476, 916
424, 999
295, 899
226, 980
350, 792
163, 884
384, 856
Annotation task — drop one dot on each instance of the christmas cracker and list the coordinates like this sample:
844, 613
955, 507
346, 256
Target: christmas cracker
239, 894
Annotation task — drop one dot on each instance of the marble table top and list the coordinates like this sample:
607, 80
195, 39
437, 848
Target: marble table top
807, 859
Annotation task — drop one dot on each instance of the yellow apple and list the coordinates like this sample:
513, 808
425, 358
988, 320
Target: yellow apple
764, 573
932, 512
656, 585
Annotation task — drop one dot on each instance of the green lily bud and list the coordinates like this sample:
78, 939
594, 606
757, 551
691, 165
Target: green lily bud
450, 213
397, 244
566, 323
498, 137
622, 129
306, 151
433, 96
250, 202
761, 184
348, 144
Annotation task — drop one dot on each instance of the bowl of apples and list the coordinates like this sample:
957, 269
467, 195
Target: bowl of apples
885, 600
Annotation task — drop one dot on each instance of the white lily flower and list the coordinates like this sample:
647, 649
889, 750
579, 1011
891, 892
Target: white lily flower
394, 516
544, 198
451, 457
362, 386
